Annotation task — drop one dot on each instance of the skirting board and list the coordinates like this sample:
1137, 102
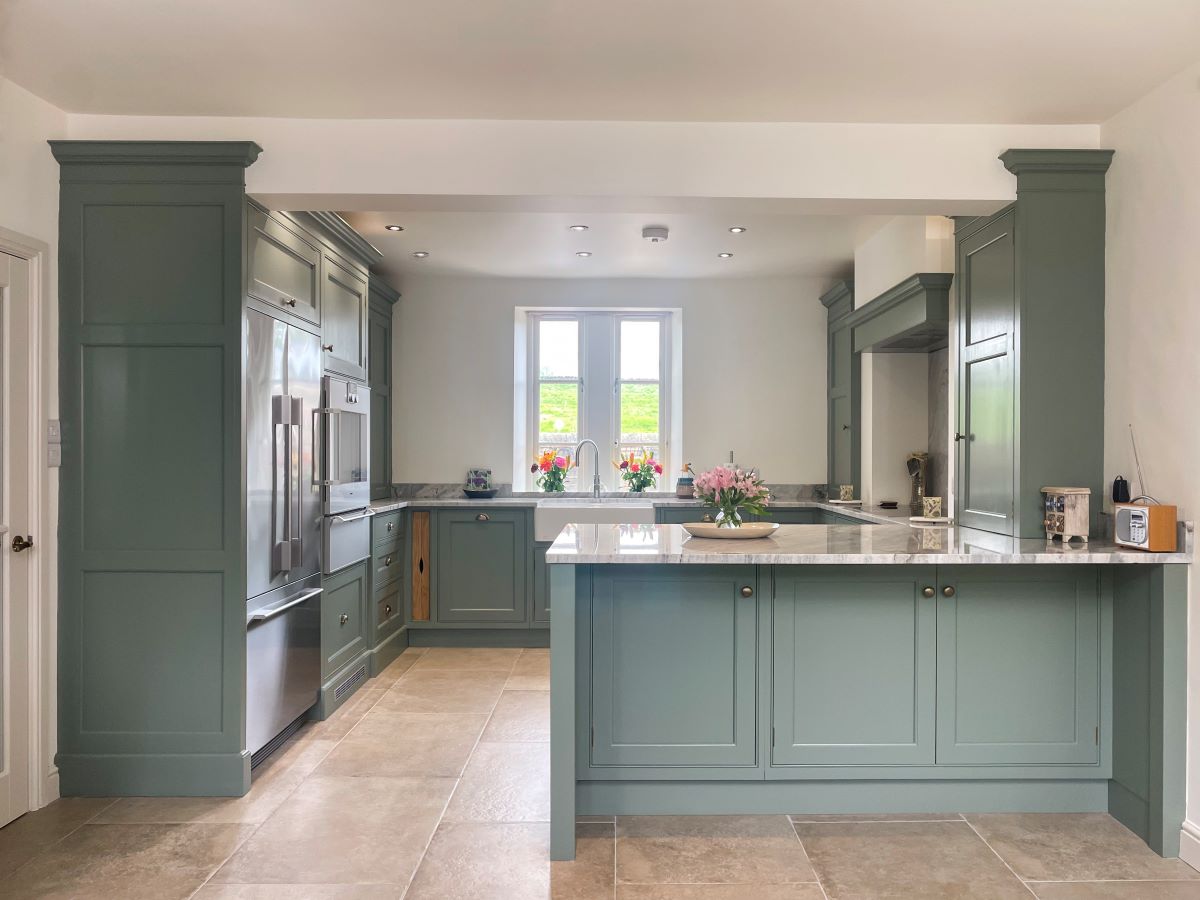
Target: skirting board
478, 637
157, 775
1189, 844
388, 650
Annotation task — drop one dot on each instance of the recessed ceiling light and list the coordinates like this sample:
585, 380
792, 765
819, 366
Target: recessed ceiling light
394, 227
584, 253
737, 229
725, 255
421, 254
578, 228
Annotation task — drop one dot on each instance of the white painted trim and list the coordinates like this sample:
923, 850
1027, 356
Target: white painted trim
43, 522
1189, 844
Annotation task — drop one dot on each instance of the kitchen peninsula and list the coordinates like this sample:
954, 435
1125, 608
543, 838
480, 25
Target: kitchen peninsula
865, 668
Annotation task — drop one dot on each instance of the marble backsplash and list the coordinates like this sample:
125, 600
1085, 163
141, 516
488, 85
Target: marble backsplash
448, 491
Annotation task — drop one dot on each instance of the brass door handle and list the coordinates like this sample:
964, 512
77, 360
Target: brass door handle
747, 591
947, 591
482, 517
927, 592
344, 619
21, 543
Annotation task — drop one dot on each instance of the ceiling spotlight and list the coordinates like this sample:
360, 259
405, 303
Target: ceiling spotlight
584, 253
578, 228
394, 227
421, 254
725, 256
737, 229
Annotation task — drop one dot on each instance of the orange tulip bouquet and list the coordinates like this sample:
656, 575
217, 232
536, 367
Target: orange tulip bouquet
639, 472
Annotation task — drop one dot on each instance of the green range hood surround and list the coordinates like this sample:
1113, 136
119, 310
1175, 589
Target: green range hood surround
912, 317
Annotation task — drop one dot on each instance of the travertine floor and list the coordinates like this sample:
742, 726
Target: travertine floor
433, 782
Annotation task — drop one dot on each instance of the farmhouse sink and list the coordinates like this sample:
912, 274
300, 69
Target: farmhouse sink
549, 516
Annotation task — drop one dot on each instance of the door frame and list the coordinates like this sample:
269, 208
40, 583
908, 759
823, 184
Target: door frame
41, 647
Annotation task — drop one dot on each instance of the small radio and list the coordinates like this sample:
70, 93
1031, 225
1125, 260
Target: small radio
1145, 527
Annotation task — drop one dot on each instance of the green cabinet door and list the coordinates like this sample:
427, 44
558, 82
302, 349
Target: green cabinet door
844, 391
673, 666
853, 666
344, 617
481, 559
379, 379
541, 585
986, 397
677, 515
344, 317
282, 265
1019, 662
789, 516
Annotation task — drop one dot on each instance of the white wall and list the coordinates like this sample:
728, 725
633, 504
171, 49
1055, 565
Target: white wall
29, 207
895, 386
1152, 321
753, 369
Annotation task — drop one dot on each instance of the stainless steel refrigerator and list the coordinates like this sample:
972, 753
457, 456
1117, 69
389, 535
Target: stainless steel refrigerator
283, 526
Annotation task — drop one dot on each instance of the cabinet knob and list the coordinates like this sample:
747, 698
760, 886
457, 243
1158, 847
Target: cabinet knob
289, 301
947, 591
927, 592
845, 428
328, 348
388, 561
391, 525
387, 609
482, 517
747, 591
959, 436
344, 619
706, 518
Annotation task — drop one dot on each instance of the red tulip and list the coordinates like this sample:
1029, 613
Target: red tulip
635, 468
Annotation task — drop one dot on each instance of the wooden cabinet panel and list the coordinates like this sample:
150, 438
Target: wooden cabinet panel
344, 317
480, 568
674, 666
282, 266
420, 566
1018, 674
854, 663
344, 625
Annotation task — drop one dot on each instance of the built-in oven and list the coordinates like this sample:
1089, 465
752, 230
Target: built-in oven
346, 460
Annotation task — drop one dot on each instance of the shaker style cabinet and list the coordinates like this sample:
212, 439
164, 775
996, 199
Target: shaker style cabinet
481, 566
344, 317
674, 659
283, 265
382, 299
344, 626
844, 387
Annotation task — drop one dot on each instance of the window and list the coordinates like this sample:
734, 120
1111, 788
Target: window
602, 375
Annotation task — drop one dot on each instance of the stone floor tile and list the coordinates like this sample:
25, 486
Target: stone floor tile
395, 745
709, 849
343, 830
132, 862
533, 661
470, 861
36, 831
527, 683
520, 716
344, 718
397, 667
299, 892
495, 659
720, 892
445, 691
590, 875
1115, 890
504, 783
925, 860
877, 817
273, 782
1074, 847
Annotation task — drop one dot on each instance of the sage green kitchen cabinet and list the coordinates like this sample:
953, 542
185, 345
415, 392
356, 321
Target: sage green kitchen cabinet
677, 515
343, 316
788, 516
541, 586
344, 617
379, 379
1031, 343
481, 566
854, 657
389, 553
674, 658
283, 265
844, 387
1019, 665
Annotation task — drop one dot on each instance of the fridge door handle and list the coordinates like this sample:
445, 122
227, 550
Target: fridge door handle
271, 612
295, 465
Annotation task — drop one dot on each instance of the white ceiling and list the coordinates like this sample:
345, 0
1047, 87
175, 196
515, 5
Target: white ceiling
944, 61
521, 244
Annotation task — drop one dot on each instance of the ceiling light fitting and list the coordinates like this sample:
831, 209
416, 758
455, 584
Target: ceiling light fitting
737, 229
584, 253
655, 234
421, 254
578, 228
725, 255
394, 227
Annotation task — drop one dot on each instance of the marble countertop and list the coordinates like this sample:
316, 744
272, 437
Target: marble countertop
871, 514
839, 545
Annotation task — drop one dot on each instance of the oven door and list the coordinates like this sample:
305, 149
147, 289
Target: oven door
346, 456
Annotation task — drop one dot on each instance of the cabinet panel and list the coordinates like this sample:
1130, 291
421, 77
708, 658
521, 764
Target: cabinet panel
677, 515
841, 461
388, 565
541, 585
421, 566
480, 566
854, 665
388, 610
379, 377
343, 617
674, 662
282, 266
803, 516
344, 322
1018, 675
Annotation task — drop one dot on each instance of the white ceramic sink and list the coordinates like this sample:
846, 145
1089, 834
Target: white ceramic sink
549, 516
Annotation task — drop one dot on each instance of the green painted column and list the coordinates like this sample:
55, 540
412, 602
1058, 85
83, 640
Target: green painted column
152, 627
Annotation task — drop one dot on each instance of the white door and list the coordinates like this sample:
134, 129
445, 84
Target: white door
16, 560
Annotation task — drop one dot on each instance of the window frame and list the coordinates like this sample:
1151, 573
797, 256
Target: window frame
663, 381
533, 438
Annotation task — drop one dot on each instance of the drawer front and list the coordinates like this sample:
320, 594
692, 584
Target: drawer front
480, 567
790, 516
343, 625
387, 527
388, 563
282, 266
388, 610
346, 541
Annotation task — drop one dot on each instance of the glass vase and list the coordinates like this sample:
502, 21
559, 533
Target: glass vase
729, 518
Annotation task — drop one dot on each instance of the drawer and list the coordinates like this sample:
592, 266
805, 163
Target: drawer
388, 565
347, 541
677, 515
386, 527
343, 631
388, 606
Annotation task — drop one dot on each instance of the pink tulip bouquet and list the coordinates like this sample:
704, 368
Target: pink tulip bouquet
731, 489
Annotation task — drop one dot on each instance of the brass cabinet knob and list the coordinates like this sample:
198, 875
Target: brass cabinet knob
344, 619
927, 592
482, 517
387, 609
747, 591
706, 518
947, 591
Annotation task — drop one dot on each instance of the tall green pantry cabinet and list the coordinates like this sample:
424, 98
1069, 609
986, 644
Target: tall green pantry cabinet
152, 636
844, 387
